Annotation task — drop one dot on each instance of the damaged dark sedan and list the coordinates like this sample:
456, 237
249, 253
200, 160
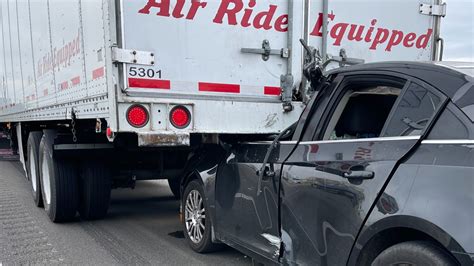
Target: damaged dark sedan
378, 170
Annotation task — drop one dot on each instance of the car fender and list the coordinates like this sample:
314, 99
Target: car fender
202, 166
399, 207
406, 222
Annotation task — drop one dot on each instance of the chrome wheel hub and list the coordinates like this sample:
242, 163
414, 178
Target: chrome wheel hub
195, 216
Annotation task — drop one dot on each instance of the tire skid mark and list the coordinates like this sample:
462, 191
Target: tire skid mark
116, 247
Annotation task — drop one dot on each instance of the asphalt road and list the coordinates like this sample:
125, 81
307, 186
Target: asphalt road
142, 228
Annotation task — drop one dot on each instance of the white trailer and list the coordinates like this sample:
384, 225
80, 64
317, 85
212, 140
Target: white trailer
101, 93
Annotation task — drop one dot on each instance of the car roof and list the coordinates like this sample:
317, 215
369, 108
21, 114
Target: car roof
448, 77
463, 67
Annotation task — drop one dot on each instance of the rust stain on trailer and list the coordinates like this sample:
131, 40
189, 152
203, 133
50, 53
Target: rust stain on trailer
163, 139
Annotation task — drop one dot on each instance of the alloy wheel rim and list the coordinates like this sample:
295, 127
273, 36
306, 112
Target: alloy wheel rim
46, 179
195, 216
34, 184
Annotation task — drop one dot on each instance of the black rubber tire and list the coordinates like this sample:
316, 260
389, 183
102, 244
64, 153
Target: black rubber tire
205, 245
95, 187
418, 253
32, 149
175, 187
63, 183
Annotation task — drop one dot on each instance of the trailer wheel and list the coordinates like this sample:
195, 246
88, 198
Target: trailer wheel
59, 183
175, 184
33, 166
96, 185
197, 221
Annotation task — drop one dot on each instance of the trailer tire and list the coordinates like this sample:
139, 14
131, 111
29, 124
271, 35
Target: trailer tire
33, 167
59, 183
175, 187
96, 185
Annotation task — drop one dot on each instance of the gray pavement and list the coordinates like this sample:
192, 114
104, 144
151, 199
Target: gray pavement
142, 228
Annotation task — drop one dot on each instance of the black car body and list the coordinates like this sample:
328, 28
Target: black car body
384, 154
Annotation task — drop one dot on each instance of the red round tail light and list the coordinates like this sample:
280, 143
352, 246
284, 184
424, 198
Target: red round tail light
180, 117
137, 116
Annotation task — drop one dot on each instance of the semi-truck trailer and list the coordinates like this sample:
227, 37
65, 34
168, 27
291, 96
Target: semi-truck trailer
97, 94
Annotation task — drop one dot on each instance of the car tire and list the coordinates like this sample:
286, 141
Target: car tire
59, 183
414, 253
33, 167
174, 184
200, 240
95, 187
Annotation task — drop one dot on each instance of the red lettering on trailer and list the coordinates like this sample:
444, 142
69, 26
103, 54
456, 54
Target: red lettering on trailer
76, 80
97, 73
281, 24
195, 5
163, 7
358, 33
60, 57
242, 13
319, 24
149, 83
228, 8
262, 20
30, 97
64, 85
271, 90
219, 87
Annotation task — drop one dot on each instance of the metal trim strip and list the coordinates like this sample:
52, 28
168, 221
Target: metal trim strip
362, 140
448, 141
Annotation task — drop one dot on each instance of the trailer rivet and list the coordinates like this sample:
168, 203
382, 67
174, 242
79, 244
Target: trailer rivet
134, 60
152, 62
152, 54
134, 52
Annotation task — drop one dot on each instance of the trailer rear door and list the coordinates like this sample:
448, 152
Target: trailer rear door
197, 47
378, 30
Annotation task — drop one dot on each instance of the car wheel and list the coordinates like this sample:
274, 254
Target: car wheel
95, 187
175, 184
413, 253
33, 167
59, 183
197, 224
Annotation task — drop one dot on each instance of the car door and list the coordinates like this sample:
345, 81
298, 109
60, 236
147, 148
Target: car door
331, 180
247, 196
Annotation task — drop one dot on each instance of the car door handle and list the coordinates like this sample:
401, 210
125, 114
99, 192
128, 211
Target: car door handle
359, 174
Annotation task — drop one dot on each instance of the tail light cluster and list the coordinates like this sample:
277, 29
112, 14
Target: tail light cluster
138, 116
